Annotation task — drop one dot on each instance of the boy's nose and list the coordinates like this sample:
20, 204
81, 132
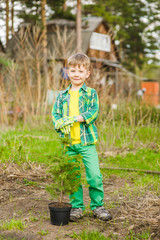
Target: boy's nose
76, 73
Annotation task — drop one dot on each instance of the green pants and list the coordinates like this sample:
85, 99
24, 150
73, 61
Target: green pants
93, 176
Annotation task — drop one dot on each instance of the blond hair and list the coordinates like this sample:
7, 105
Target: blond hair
79, 59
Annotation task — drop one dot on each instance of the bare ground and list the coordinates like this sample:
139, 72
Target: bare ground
132, 211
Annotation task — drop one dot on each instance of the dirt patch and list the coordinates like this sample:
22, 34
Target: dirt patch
132, 211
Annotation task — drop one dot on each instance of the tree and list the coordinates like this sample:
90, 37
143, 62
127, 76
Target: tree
56, 9
78, 26
12, 16
44, 30
65, 171
33, 13
7, 20
60, 10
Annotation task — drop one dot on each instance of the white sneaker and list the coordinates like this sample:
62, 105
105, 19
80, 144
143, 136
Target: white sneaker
75, 214
102, 214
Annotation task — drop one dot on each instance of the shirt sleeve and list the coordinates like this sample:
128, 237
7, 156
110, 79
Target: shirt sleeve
91, 115
57, 110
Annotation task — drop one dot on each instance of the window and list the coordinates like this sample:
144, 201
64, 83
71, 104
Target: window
100, 41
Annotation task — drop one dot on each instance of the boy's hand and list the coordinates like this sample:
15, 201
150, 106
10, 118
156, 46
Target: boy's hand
70, 120
65, 121
66, 129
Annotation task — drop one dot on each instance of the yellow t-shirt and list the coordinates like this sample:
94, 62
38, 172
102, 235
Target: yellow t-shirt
74, 111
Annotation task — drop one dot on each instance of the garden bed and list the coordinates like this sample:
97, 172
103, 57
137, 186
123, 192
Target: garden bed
23, 198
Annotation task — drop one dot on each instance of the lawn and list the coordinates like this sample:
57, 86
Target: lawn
131, 197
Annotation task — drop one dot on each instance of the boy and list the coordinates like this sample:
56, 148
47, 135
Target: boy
74, 113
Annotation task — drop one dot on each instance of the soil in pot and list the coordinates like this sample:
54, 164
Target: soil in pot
59, 213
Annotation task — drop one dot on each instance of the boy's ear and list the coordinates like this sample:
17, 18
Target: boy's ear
88, 74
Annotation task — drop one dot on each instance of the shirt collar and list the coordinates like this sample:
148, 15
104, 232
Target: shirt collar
84, 87
67, 89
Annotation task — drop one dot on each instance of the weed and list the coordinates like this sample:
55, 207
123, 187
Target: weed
14, 150
44, 217
119, 134
89, 235
29, 183
138, 236
43, 232
33, 219
113, 204
12, 224
10, 197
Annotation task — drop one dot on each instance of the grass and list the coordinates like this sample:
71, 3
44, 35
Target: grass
29, 183
138, 236
12, 224
124, 136
37, 144
43, 233
89, 235
94, 235
28, 144
145, 159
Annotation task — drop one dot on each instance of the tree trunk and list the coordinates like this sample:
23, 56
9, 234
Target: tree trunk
78, 26
44, 44
38, 83
44, 32
7, 20
4, 109
12, 16
61, 193
64, 6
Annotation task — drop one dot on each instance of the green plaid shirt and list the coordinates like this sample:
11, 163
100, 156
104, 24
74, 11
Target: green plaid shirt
88, 109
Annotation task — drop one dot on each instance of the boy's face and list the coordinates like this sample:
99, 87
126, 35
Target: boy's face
78, 75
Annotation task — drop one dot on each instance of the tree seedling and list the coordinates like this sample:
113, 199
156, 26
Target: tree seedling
65, 171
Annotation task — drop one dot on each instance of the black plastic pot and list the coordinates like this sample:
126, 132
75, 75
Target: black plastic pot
59, 215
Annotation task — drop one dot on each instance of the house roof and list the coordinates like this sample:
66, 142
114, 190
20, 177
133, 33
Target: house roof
89, 25
106, 62
61, 22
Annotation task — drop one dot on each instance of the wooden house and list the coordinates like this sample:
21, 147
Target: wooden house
98, 43
97, 38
